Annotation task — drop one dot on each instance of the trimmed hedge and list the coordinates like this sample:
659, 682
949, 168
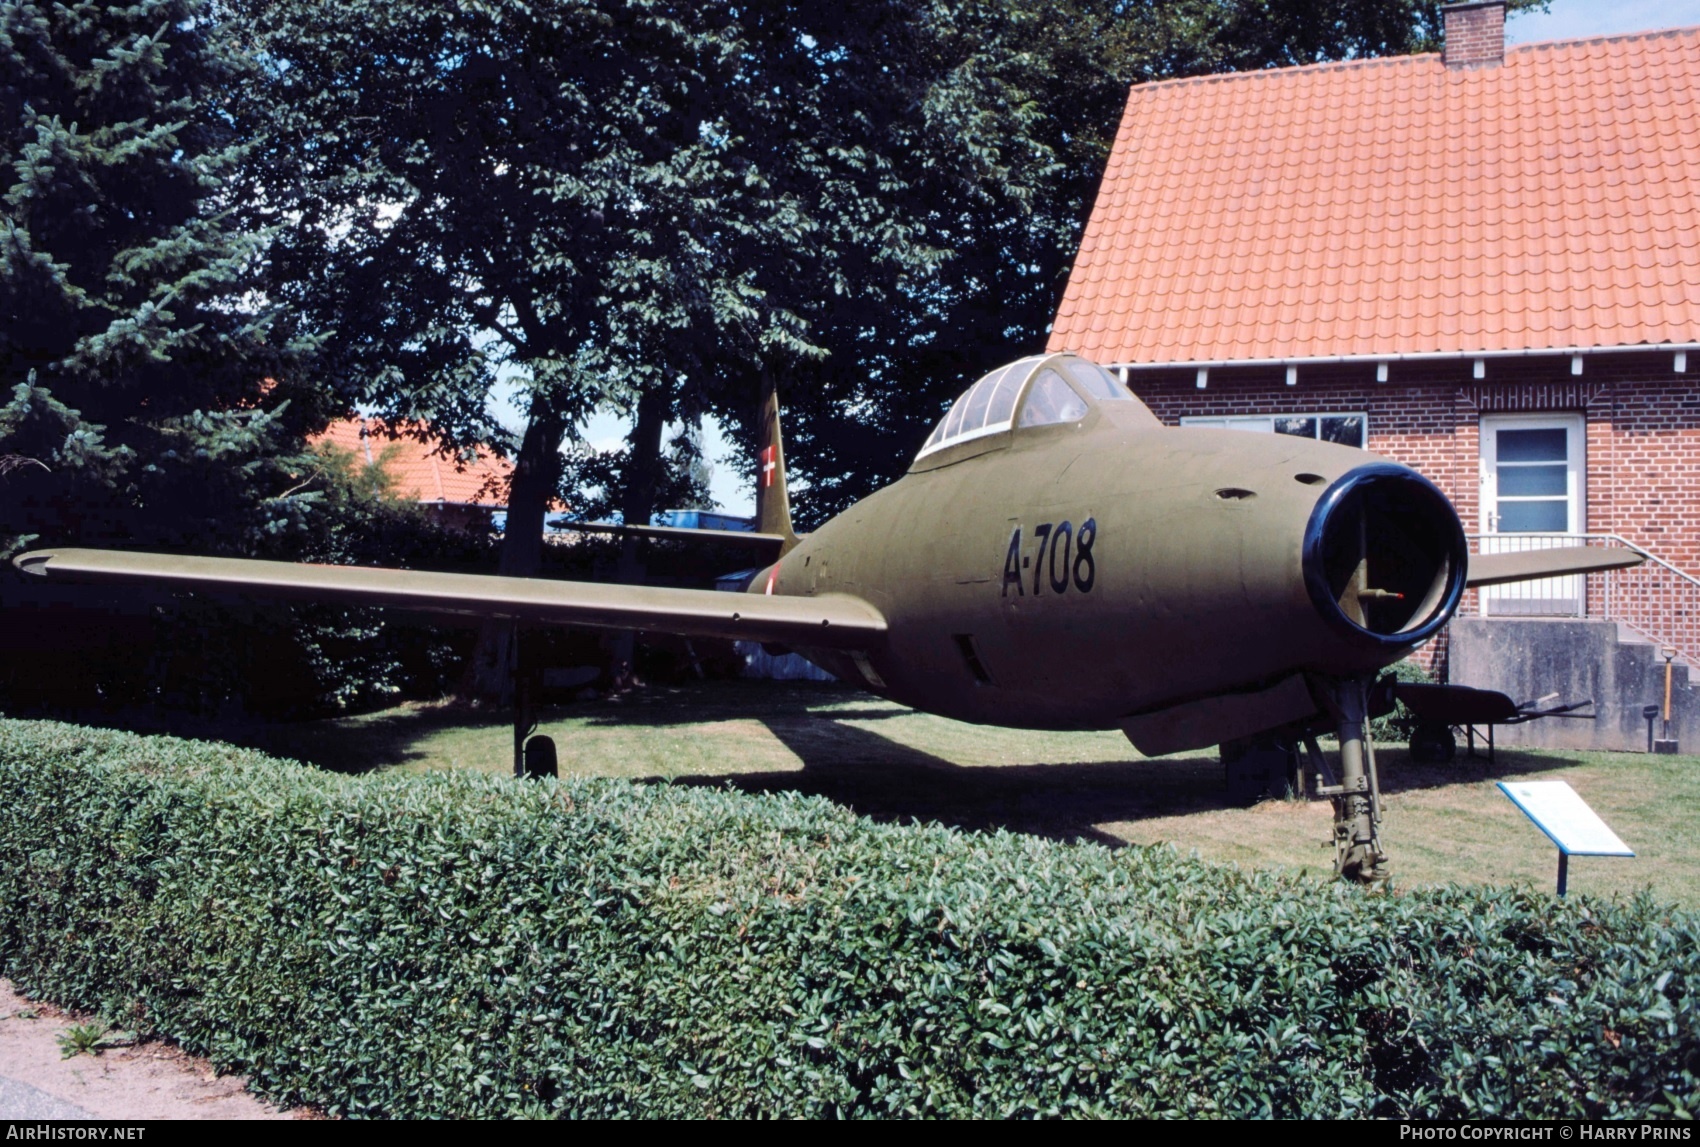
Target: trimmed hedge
462, 945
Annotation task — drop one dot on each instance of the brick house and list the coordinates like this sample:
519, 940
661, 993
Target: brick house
465, 492
1484, 263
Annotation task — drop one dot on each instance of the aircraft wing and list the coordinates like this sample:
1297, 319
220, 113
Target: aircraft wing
771, 542
1527, 565
833, 621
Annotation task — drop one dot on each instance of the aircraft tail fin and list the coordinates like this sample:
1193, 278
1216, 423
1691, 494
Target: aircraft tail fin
773, 504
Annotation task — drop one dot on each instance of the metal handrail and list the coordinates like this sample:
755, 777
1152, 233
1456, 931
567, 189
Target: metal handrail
1655, 600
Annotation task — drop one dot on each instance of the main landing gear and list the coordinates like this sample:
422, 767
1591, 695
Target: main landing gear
534, 756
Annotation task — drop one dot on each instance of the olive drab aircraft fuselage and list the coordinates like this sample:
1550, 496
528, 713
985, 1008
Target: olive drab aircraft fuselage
1092, 574
1056, 558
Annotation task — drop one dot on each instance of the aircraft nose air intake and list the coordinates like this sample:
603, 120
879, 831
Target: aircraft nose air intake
1385, 556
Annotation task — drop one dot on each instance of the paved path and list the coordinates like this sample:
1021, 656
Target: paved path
152, 1081
21, 1101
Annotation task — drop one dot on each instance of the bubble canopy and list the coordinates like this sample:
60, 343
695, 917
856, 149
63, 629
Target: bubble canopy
1034, 391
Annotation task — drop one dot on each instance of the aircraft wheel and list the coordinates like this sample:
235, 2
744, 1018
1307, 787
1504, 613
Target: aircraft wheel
540, 758
1254, 769
1363, 864
1433, 743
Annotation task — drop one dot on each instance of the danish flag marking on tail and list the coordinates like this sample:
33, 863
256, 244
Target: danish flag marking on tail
772, 576
768, 466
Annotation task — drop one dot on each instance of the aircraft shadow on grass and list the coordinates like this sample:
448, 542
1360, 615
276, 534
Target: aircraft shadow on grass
853, 765
880, 778
883, 779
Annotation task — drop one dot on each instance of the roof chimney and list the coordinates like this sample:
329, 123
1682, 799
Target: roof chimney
1474, 36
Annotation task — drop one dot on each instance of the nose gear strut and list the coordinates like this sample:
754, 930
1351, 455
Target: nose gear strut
1358, 854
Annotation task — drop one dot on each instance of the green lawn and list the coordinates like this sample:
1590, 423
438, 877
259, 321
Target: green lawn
1443, 822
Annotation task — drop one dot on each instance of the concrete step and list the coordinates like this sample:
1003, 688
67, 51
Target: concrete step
1627, 635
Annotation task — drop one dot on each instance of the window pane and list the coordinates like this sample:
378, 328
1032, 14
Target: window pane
977, 400
1003, 399
1346, 429
1297, 427
1050, 400
1533, 445
1525, 481
1094, 379
1534, 517
953, 424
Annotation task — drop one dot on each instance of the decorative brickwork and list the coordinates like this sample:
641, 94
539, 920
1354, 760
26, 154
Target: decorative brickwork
1533, 396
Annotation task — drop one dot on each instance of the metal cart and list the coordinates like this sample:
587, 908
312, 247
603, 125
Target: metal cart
1442, 708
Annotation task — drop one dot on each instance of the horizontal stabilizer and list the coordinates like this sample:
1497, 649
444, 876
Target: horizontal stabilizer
829, 621
770, 542
1528, 565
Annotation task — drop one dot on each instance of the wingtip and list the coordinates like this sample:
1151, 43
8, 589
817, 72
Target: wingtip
34, 563
1489, 569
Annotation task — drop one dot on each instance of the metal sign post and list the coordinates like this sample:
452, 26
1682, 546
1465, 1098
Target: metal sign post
1567, 820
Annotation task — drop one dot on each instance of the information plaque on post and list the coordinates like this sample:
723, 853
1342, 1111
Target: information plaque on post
1567, 820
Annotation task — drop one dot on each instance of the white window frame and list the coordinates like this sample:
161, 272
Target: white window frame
1265, 423
1576, 464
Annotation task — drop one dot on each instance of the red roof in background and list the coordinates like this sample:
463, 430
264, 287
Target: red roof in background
419, 470
1396, 206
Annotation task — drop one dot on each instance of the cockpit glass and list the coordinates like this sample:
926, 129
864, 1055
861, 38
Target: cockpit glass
1002, 406
1063, 391
974, 417
1050, 400
984, 408
1095, 380
953, 421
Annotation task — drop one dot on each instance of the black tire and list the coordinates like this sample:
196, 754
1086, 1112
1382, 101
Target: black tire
540, 758
1253, 770
1433, 743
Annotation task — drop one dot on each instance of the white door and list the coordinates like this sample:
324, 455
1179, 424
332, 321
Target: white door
1532, 471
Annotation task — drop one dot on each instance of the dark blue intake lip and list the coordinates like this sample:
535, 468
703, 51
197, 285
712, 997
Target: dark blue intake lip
1403, 526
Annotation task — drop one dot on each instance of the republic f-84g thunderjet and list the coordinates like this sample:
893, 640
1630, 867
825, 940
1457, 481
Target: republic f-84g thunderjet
1055, 558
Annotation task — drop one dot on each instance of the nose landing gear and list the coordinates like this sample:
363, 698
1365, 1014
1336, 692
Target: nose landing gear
1358, 855
1272, 765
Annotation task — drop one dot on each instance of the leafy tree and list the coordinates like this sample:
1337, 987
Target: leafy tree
659, 206
133, 353
896, 363
152, 393
644, 203
611, 201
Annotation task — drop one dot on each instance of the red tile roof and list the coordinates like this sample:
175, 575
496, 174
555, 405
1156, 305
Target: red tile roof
420, 470
1396, 206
